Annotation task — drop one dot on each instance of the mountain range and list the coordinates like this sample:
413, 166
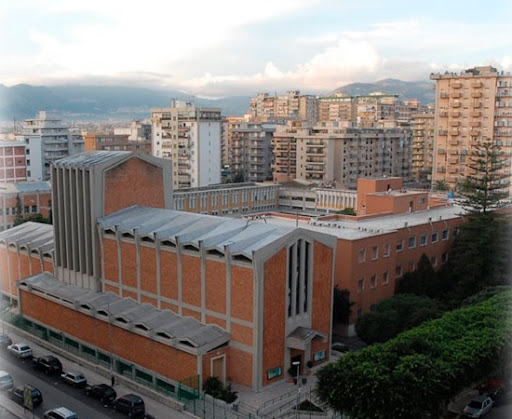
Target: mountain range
78, 102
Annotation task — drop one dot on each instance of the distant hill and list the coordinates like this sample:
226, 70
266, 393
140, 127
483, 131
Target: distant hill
100, 102
407, 90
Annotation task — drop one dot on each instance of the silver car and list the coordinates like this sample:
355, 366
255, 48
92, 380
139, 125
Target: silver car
478, 407
5, 380
21, 350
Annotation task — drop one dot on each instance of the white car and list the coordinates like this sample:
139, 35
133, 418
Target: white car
478, 407
75, 378
5, 380
21, 350
60, 413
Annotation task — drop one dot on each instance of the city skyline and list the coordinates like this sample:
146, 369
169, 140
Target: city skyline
221, 49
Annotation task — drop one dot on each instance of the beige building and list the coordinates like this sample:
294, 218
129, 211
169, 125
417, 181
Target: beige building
190, 136
422, 147
470, 107
247, 149
280, 108
340, 153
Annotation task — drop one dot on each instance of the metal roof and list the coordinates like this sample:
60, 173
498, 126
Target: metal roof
33, 236
178, 329
25, 187
89, 158
241, 236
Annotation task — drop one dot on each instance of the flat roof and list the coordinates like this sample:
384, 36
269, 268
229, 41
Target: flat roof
24, 187
355, 230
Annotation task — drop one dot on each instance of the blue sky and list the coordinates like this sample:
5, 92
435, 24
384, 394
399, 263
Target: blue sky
227, 47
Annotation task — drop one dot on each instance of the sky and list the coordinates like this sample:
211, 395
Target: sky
218, 48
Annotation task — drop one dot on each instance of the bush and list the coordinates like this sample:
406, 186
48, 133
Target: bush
214, 387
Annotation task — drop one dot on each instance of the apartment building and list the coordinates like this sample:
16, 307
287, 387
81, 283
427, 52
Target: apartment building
285, 151
137, 131
115, 142
423, 130
48, 139
203, 295
341, 153
338, 107
281, 108
471, 106
13, 163
190, 137
34, 198
248, 148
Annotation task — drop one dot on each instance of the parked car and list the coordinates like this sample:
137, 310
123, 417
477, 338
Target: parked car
102, 392
5, 341
18, 395
21, 350
130, 404
478, 407
60, 413
74, 378
49, 364
5, 380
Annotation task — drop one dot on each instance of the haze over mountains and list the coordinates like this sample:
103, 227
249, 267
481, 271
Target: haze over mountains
76, 102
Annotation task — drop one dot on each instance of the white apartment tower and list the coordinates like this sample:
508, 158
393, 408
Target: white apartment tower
190, 136
48, 139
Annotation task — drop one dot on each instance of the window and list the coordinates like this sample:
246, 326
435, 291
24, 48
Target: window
435, 237
444, 257
433, 260
34, 208
362, 255
360, 285
373, 281
386, 250
318, 356
446, 234
398, 271
375, 252
399, 245
412, 242
385, 278
423, 240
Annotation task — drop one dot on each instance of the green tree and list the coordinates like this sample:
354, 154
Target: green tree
347, 211
394, 315
440, 185
37, 218
19, 209
485, 186
415, 374
421, 281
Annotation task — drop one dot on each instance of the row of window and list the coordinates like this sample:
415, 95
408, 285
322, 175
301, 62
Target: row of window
12, 210
362, 283
411, 243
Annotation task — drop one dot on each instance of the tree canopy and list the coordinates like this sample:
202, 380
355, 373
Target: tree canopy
415, 374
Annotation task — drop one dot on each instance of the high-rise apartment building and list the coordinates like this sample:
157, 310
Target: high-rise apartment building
280, 108
422, 146
470, 107
248, 147
47, 140
190, 136
341, 153
13, 164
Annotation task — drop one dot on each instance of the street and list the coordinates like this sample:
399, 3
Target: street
55, 393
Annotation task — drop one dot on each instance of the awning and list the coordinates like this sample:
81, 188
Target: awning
302, 336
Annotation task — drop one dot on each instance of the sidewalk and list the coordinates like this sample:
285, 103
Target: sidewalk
156, 404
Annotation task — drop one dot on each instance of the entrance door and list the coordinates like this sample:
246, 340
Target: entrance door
218, 369
296, 358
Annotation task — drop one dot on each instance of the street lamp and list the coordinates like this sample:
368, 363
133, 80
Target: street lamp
297, 364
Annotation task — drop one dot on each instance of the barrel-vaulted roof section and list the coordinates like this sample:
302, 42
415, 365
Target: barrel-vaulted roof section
162, 323
241, 236
30, 235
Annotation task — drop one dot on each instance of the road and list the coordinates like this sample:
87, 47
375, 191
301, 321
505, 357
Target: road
501, 412
55, 392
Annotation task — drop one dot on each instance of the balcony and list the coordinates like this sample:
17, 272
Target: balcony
441, 170
443, 114
443, 132
444, 95
456, 85
455, 114
454, 132
454, 142
456, 95
476, 94
453, 160
475, 114
454, 123
474, 132
476, 84
454, 151
441, 151
474, 124
476, 104
455, 104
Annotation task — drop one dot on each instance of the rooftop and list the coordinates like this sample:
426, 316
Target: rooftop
355, 230
240, 236
33, 236
89, 158
162, 325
